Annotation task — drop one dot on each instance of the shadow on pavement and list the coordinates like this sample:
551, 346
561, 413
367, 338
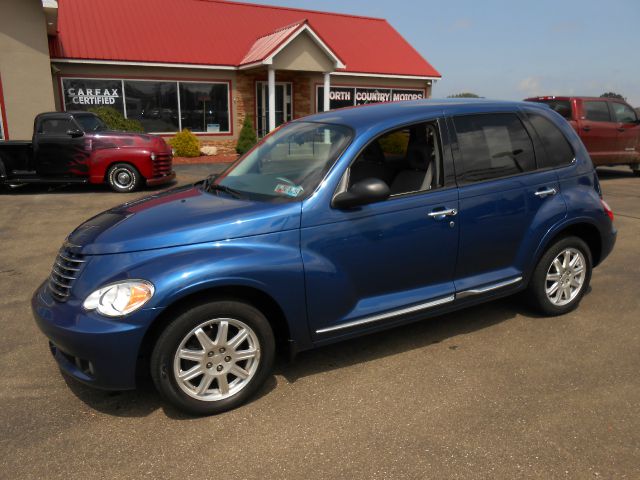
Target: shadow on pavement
404, 338
145, 400
605, 174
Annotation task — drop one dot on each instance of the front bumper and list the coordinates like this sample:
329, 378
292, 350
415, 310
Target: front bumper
161, 180
96, 350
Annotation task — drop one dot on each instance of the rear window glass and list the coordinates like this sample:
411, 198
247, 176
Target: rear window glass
558, 150
597, 111
563, 107
493, 146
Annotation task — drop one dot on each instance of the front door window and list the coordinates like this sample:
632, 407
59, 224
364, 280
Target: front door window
283, 106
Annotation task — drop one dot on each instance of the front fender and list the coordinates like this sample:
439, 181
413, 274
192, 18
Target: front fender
102, 159
269, 263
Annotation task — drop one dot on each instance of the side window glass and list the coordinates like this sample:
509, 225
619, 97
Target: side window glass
55, 126
492, 146
558, 149
409, 160
597, 111
623, 113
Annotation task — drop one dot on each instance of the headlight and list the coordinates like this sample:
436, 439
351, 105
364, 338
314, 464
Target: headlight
120, 298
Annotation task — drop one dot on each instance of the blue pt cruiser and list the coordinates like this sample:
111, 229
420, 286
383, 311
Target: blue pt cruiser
335, 225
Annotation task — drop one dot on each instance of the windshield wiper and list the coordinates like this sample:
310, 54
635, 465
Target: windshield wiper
209, 186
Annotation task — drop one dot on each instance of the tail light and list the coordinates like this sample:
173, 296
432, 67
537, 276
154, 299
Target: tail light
607, 209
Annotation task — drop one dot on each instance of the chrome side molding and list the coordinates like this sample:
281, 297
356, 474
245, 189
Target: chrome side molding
419, 307
489, 288
385, 316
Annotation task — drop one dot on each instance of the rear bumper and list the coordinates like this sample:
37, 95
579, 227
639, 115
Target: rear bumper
608, 242
161, 180
96, 350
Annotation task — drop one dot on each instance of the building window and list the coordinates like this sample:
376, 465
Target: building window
160, 106
153, 104
204, 107
341, 96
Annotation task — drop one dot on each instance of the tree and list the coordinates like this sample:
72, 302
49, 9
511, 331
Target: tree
247, 138
612, 95
465, 95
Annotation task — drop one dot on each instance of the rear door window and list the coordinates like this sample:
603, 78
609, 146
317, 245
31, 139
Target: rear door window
597, 111
623, 113
558, 149
492, 146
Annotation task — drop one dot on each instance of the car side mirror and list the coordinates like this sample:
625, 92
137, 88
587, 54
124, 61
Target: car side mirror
364, 192
75, 132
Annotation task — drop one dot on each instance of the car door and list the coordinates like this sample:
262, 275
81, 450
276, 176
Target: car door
57, 151
598, 131
505, 203
375, 264
628, 132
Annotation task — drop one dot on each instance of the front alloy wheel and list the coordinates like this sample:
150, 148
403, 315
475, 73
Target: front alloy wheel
216, 359
213, 357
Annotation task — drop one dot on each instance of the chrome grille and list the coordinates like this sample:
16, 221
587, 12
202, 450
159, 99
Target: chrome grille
65, 270
162, 165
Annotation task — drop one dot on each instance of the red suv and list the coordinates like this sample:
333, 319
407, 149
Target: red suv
608, 127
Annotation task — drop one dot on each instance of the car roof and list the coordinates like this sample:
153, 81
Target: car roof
579, 97
398, 113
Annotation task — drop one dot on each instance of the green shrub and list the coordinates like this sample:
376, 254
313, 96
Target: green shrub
247, 138
185, 144
116, 121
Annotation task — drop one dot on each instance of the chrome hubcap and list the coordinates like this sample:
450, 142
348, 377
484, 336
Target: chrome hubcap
123, 178
565, 277
216, 359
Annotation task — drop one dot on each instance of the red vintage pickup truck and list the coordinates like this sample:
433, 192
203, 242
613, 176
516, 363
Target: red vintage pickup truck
77, 147
608, 127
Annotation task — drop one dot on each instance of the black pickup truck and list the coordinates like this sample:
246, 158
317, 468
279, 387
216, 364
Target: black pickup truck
77, 147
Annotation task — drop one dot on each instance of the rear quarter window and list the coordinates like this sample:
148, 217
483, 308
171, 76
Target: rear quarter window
558, 149
492, 146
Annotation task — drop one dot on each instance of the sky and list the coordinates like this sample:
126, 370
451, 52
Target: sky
515, 49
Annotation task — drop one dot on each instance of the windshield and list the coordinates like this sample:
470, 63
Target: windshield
288, 164
90, 123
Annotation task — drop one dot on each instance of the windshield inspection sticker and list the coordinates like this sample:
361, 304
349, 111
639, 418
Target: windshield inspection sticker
289, 190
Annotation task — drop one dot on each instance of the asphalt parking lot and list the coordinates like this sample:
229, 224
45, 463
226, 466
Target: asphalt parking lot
491, 392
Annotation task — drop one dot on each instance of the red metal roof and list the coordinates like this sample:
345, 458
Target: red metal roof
221, 33
263, 46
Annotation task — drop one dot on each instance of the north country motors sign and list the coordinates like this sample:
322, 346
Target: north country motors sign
340, 97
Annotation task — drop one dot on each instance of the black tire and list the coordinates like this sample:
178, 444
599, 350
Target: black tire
123, 178
537, 290
163, 357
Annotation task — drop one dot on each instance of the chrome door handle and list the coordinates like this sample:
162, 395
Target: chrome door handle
451, 212
546, 193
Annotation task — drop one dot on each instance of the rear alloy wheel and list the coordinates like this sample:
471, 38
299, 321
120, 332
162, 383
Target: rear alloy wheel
561, 277
214, 357
123, 178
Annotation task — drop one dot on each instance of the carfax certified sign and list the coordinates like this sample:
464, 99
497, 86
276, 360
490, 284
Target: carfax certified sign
80, 94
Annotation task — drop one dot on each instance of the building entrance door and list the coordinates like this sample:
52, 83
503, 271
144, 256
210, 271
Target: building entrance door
283, 106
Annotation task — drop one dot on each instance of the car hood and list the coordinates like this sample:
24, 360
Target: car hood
181, 216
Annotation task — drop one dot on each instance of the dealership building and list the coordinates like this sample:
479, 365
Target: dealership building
204, 65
